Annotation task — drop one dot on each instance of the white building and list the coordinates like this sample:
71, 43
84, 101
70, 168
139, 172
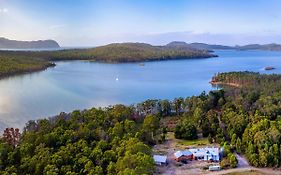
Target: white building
160, 160
207, 154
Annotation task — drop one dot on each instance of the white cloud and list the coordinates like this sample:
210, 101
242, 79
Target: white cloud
4, 10
59, 26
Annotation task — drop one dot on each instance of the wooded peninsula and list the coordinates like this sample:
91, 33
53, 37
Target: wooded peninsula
15, 62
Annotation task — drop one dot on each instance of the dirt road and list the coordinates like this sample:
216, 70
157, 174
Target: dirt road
242, 162
243, 166
266, 171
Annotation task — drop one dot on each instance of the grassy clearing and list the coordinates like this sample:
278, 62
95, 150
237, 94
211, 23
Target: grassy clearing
197, 142
170, 135
184, 143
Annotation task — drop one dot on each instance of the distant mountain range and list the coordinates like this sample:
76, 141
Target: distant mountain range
270, 47
179, 45
200, 46
40, 44
203, 46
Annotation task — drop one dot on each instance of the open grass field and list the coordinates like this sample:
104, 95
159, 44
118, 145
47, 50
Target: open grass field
180, 143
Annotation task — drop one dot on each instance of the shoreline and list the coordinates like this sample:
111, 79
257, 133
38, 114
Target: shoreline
227, 84
52, 64
23, 72
142, 61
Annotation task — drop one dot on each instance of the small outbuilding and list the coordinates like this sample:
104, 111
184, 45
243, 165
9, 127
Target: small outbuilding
160, 159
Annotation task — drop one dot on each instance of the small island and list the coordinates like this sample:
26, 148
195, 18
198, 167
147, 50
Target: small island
269, 68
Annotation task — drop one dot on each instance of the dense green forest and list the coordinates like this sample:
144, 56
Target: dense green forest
14, 62
118, 139
113, 140
11, 64
131, 52
244, 116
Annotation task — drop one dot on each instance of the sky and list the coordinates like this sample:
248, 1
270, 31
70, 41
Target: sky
99, 22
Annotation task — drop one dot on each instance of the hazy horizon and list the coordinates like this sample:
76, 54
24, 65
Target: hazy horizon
88, 23
91, 46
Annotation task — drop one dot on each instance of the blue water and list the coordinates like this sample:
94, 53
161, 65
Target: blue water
79, 84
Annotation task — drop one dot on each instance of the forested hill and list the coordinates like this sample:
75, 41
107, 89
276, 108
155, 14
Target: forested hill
131, 52
96, 141
14, 44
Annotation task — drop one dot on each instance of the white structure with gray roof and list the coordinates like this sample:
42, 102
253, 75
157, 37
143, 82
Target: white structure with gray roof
160, 160
178, 154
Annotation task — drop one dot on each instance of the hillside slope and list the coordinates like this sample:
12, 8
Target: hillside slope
130, 52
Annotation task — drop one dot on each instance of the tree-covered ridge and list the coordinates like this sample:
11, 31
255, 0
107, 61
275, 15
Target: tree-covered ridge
113, 140
130, 52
